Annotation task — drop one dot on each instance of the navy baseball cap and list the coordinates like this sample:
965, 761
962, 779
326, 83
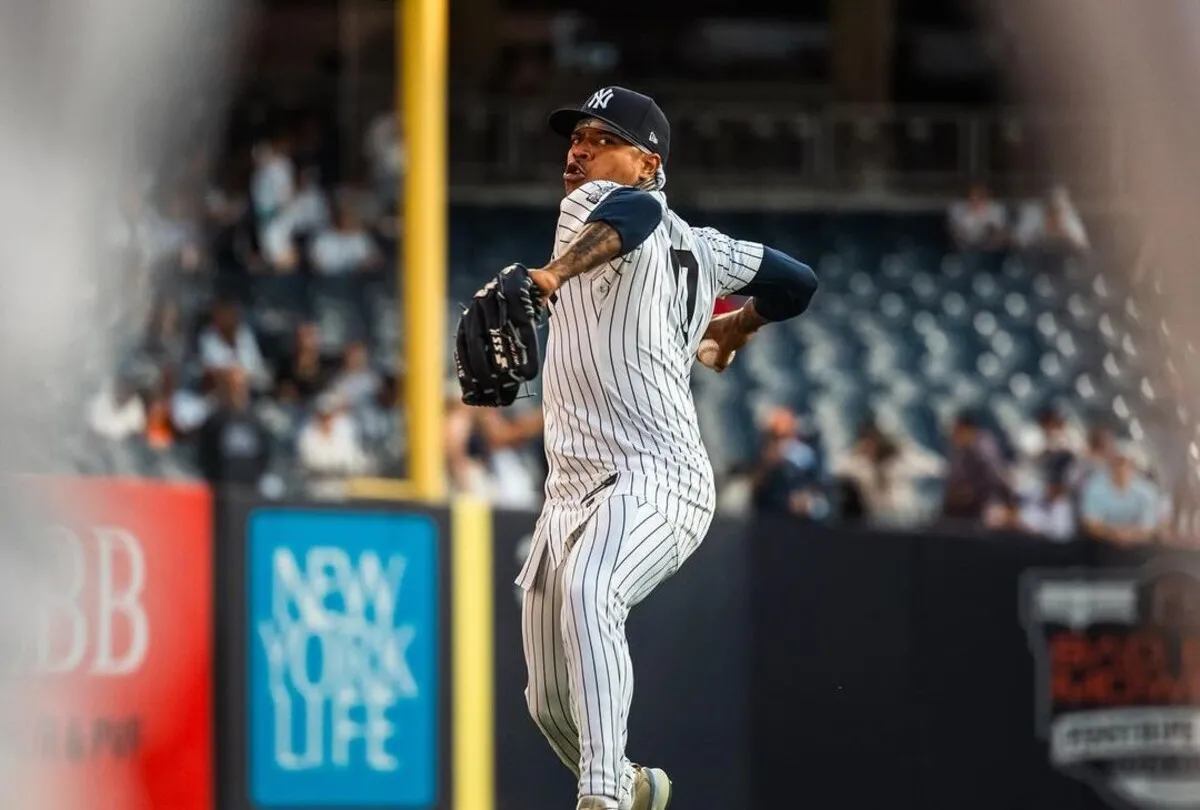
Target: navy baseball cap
633, 116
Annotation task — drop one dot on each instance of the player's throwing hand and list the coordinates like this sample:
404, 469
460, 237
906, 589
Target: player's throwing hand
726, 334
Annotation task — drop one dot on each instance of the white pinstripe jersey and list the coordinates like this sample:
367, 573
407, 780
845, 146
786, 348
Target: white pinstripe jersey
616, 387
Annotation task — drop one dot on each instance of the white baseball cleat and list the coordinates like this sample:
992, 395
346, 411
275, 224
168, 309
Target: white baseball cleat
651, 789
592, 803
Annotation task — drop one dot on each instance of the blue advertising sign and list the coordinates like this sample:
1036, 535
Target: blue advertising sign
343, 646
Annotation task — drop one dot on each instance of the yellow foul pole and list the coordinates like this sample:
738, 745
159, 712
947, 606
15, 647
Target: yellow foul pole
421, 46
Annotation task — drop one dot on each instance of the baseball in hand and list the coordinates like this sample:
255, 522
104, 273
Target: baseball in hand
707, 352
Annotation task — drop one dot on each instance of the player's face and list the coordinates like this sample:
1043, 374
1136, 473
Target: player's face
595, 154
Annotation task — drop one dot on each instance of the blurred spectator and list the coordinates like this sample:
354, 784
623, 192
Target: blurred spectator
978, 222
344, 248
1095, 456
381, 425
118, 411
304, 214
1120, 505
468, 473
329, 444
171, 231
488, 452
1051, 512
170, 412
225, 201
308, 211
788, 477
880, 475
385, 153
356, 382
273, 183
302, 374
227, 342
189, 409
1051, 223
976, 475
234, 447
515, 481
164, 340
1048, 451
160, 430
1056, 436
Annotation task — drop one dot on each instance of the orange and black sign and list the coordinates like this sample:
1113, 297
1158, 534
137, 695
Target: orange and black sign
1118, 668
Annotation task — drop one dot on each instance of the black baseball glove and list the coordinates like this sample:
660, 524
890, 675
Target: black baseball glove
496, 349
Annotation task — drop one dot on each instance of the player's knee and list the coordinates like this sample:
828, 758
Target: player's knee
541, 712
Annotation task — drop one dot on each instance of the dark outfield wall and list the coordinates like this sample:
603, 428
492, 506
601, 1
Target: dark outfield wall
789, 666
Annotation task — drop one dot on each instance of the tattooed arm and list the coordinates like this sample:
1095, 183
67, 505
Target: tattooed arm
617, 225
596, 243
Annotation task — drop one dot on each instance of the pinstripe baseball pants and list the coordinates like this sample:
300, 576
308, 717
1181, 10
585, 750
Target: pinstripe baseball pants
573, 626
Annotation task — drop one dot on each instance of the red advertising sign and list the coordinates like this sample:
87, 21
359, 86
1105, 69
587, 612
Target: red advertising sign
120, 648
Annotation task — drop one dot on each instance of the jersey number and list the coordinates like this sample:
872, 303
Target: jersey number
684, 261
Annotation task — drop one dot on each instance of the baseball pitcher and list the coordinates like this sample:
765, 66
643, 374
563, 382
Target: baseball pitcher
629, 497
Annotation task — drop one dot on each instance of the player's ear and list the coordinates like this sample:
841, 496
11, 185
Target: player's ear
650, 164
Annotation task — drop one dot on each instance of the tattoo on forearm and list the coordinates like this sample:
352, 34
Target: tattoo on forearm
596, 243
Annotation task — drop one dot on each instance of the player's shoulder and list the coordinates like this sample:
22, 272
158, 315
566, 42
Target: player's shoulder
710, 237
589, 195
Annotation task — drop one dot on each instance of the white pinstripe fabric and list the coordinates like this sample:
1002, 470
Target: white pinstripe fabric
630, 489
573, 625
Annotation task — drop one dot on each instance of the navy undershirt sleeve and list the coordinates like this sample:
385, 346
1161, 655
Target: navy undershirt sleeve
782, 287
632, 213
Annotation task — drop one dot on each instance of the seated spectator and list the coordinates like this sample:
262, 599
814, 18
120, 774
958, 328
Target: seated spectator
1045, 451
1051, 513
381, 427
976, 474
190, 409
171, 231
164, 340
1120, 505
467, 472
304, 214
308, 210
356, 382
117, 411
978, 222
788, 477
160, 430
302, 374
329, 444
1094, 458
880, 474
344, 248
508, 435
234, 448
273, 182
1051, 223
385, 153
173, 412
490, 453
227, 343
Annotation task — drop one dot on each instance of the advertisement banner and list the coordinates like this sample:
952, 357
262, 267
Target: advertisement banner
121, 648
1118, 670
342, 650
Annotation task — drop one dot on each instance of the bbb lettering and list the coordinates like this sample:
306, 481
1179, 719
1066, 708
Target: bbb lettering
90, 617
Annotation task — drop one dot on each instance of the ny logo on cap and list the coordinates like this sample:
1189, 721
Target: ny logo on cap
600, 99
